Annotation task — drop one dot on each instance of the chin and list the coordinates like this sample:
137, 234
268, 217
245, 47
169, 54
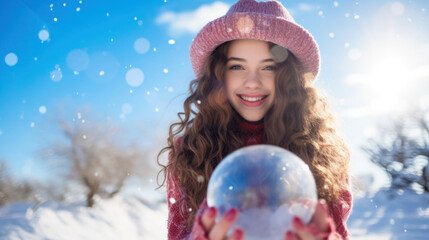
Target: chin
253, 118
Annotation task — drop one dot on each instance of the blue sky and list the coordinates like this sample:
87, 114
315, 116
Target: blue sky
74, 53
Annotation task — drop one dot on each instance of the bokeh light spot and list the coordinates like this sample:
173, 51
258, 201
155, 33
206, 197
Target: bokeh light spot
11, 59
245, 24
279, 53
141, 45
134, 77
77, 60
43, 35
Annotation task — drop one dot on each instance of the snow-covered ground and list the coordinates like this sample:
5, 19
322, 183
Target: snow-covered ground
390, 215
114, 219
402, 215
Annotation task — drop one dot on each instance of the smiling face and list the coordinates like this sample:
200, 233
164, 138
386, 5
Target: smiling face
249, 78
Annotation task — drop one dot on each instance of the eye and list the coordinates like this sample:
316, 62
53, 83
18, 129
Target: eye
270, 68
236, 67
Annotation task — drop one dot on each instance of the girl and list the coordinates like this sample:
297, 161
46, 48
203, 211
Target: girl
255, 68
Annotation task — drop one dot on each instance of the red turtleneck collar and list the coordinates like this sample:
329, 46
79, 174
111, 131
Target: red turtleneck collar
252, 132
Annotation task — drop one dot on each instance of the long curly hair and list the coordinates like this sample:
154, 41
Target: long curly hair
207, 131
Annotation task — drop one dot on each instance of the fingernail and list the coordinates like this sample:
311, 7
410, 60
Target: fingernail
211, 212
231, 214
238, 234
298, 223
289, 236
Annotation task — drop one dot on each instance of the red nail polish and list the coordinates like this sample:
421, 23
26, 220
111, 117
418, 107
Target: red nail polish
289, 236
238, 234
231, 214
298, 223
211, 212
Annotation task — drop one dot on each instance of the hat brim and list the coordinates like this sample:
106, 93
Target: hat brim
259, 27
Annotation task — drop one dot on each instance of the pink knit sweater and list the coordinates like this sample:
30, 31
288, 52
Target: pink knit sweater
253, 134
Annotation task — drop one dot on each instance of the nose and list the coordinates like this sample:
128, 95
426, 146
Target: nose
253, 81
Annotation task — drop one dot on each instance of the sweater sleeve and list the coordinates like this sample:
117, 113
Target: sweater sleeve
176, 225
340, 212
198, 232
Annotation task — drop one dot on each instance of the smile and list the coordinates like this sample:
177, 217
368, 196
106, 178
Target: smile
252, 101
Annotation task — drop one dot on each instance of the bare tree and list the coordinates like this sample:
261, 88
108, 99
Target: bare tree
12, 190
95, 156
402, 150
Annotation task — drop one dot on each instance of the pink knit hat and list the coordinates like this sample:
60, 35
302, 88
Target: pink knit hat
249, 19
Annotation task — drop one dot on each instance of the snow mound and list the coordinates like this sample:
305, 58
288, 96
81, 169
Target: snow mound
390, 215
118, 218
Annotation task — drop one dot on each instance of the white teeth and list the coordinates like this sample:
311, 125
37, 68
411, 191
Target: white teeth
252, 99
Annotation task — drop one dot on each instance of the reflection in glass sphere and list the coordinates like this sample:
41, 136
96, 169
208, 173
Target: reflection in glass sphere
268, 185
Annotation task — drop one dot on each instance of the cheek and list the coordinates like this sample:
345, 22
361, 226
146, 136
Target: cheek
230, 86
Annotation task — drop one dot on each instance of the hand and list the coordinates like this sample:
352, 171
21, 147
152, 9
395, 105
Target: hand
317, 229
218, 231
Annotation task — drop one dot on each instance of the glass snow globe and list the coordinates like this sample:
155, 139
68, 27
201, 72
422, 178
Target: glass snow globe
268, 185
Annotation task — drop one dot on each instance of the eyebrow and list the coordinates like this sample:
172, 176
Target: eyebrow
244, 60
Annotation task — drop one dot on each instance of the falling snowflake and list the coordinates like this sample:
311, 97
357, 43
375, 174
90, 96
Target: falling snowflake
200, 179
42, 109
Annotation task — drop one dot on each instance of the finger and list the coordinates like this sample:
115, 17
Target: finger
208, 218
301, 229
289, 236
221, 228
320, 216
238, 234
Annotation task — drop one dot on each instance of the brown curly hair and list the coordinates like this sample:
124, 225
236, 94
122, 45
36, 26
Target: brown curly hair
207, 131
